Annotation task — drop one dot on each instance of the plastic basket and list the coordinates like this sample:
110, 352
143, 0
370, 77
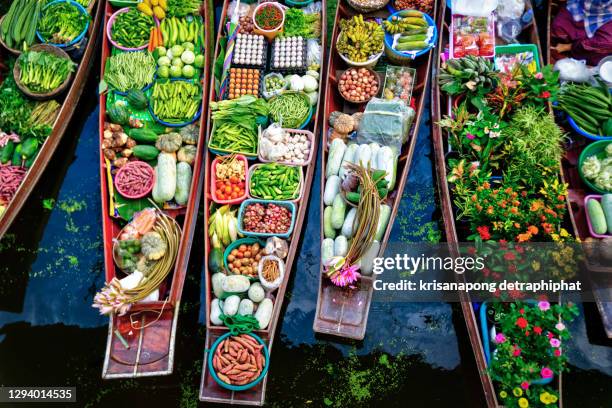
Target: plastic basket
310, 113
269, 34
143, 193
393, 70
176, 125
124, 3
300, 187
236, 244
594, 149
584, 133
213, 373
213, 181
109, 30
398, 57
287, 204
593, 233
516, 49
225, 152
310, 137
80, 36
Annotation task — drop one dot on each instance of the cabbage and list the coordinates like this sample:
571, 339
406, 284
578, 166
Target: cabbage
591, 167
310, 84
296, 83
314, 97
188, 57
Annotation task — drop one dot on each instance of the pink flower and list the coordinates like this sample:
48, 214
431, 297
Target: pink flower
524, 385
557, 352
560, 326
346, 276
517, 351
546, 372
555, 342
470, 136
543, 305
500, 338
539, 75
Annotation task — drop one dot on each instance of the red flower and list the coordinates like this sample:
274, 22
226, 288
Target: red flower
550, 335
516, 351
557, 352
522, 311
486, 272
545, 95
509, 256
537, 330
521, 322
503, 244
483, 230
527, 333
512, 268
524, 385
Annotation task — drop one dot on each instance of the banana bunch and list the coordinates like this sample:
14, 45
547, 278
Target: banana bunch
360, 39
466, 74
223, 227
412, 25
151, 7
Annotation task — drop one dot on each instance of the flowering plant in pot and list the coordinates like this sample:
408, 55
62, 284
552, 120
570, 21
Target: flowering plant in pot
529, 351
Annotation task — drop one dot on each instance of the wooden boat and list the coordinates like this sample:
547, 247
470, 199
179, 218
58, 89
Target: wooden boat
344, 312
68, 108
440, 106
210, 391
601, 274
150, 350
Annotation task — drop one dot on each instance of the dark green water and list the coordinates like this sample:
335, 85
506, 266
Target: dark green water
413, 354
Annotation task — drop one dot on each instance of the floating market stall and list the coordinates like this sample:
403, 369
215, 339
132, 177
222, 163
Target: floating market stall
379, 66
48, 50
498, 160
585, 111
262, 143
154, 82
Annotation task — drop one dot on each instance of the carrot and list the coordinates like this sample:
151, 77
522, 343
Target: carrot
160, 38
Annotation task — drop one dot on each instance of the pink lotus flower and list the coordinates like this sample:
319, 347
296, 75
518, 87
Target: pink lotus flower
546, 372
555, 342
539, 75
346, 276
524, 385
544, 305
560, 326
500, 338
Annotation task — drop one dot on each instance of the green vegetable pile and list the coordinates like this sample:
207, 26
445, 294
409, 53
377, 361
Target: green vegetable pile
129, 70
19, 25
175, 101
132, 29
236, 124
290, 109
61, 23
182, 8
42, 71
598, 169
589, 106
273, 181
300, 24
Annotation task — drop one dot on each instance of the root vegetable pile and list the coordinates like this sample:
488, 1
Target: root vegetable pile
244, 260
358, 84
238, 360
135, 179
268, 218
10, 180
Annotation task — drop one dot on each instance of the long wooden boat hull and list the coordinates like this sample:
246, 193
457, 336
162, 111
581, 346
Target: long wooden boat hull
151, 327
210, 391
344, 312
61, 123
439, 105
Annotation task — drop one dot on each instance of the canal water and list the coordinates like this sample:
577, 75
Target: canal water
414, 354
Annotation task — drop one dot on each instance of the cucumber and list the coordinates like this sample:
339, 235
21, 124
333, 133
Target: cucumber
596, 216
340, 246
327, 250
17, 159
328, 230
143, 135
29, 147
349, 221
383, 220
145, 152
332, 188
7, 152
338, 212
606, 205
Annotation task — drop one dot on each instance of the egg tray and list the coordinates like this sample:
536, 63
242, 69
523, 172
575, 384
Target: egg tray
261, 81
263, 65
290, 70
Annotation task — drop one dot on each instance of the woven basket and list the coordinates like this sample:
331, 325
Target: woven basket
42, 96
11, 50
374, 5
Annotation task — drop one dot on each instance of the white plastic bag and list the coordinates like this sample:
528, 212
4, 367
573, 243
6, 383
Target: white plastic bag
572, 70
474, 8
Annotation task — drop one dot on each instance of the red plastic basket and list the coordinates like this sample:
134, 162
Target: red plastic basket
213, 181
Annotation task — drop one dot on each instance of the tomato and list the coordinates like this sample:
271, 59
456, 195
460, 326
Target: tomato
472, 51
228, 189
219, 184
241, 184
234, 195
458, 52
234, 180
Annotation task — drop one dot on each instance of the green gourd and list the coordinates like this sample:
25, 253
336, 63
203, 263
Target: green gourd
183, 183
118, 115
143, 135
145, 152
165, 178
596, 216
606, 205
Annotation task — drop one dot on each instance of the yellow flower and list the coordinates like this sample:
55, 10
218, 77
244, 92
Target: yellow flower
523, 403
535, 265
517, 392
564, 233
552, 398
503, 394
545, 398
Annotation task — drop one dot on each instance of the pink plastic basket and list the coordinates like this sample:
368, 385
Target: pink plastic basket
148, 188
109, 27
593, 233
300, 188
308, 134
213, 181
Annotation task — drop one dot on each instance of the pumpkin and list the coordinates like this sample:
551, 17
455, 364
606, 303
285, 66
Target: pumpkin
169, 142
153, 246
344, 124
187, 154
190, 134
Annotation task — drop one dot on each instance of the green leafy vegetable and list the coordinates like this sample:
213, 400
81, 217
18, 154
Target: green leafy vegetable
42, 71
61, 23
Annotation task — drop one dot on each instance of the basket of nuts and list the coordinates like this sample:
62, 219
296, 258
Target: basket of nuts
242, 257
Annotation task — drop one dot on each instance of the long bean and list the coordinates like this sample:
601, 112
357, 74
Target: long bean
130, 70
291, 109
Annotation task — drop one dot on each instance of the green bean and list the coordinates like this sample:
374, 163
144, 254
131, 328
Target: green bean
273, 181
130, 70
291, 109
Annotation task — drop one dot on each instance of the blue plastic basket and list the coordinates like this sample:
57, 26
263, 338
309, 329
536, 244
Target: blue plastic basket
176, 125
286, 204
394, 55
79, 37
264, 371
577, 128
488, 347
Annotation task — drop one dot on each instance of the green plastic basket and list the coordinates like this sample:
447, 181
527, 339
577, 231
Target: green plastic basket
518, 48
594, 149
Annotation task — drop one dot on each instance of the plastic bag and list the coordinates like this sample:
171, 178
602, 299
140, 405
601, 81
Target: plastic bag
386, 122
510, 9
313, 53
312, 8
269, 94
242, 9
572, 70
474, 8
